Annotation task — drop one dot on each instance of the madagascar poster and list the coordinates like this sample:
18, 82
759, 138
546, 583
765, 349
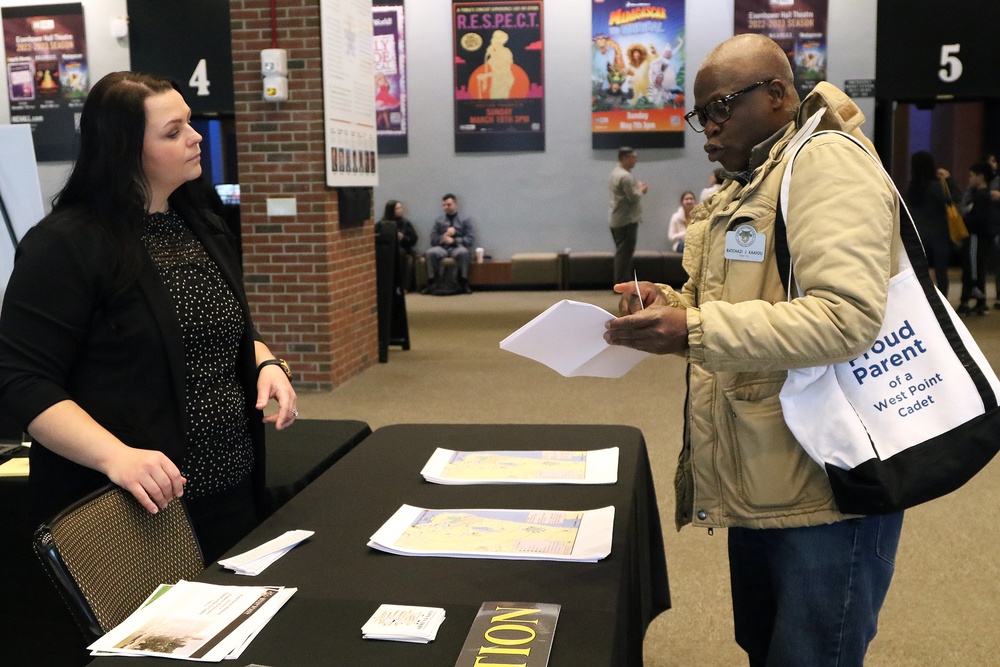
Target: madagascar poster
637, 74
390, 76
499, 92
799, 26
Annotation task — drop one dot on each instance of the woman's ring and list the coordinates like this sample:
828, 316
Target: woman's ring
295, 413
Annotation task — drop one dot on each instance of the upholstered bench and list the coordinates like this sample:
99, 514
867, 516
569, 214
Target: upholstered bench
648, 265
536, 268
660, 266
590, 269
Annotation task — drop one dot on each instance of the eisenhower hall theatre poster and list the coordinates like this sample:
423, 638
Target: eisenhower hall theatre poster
47, 76
499, 92
799, 26
637, 74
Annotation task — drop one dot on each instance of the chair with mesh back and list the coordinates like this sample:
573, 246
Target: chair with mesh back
107, 553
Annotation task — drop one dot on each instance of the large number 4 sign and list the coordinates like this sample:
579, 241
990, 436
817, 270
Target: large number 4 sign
199, 78
951, 66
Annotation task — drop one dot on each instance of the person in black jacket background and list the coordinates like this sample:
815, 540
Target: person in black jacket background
976, 248
926, 198
406, 240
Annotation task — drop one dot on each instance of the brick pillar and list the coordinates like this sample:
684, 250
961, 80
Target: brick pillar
311, 282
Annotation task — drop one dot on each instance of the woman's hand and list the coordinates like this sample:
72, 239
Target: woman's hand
148, 475
273, 383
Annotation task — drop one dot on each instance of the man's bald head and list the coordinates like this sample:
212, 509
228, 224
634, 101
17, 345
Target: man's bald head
756, 56
757, 113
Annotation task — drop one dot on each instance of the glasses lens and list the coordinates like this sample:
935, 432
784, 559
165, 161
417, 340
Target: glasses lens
717, 111
699, 124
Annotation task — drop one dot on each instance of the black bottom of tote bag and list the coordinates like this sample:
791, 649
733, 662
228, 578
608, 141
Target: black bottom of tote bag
923, 472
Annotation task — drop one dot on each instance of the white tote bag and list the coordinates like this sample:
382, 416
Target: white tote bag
912, 418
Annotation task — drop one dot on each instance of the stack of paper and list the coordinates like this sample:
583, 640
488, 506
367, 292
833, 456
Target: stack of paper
194, 621
569, 339
15, 467
401, 623
256, 560
447, 466
498, 533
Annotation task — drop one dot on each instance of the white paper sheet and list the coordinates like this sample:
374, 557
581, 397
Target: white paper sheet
569, 339
255, 561
446, 466
580, 536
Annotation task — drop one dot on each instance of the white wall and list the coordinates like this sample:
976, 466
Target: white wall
523, 201
104, 54
558, 199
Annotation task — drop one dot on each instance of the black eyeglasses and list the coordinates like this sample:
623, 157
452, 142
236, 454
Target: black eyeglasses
717, 111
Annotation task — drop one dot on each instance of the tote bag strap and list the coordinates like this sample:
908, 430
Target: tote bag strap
910, 255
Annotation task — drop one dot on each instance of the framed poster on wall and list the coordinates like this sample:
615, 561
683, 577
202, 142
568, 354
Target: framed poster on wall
349, 93
798, 26
499, 88
390, 76
637, 74
47, 74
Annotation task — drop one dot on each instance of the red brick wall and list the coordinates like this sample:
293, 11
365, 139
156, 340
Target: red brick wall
310, 281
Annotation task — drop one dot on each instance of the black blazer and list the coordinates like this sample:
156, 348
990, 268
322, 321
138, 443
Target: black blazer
66, 334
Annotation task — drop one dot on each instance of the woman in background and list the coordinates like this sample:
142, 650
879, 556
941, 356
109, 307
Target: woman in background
926, 198
714, 184
406, 239
679, 222
127, 350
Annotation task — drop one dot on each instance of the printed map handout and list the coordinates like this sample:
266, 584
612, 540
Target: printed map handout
447, 466
581, 536
569, 339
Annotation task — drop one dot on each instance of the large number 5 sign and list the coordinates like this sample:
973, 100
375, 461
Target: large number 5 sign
951, 66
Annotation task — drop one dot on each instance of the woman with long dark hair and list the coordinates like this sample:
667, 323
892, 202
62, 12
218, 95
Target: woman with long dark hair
127, 350
926, 198
406, 239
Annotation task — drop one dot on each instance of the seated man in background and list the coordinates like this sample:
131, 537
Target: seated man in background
451, 236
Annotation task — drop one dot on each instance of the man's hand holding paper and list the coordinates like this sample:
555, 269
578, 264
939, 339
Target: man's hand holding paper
658, 329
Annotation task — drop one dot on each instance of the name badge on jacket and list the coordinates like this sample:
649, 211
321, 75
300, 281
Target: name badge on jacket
745, 244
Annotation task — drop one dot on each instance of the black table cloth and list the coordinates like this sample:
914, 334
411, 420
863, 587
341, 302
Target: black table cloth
606, 606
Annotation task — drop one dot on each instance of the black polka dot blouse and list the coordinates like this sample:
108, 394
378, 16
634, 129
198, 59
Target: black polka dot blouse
219, 452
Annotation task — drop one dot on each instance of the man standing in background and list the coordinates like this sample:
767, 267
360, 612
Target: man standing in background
626, 211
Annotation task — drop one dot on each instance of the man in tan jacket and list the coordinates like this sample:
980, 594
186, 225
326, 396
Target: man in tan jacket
807, 581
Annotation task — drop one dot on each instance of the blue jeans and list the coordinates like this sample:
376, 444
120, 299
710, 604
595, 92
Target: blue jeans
811, 596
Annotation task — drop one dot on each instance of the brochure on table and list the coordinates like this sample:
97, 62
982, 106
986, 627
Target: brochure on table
512, 534
195, 621
447, 466
569, 339
404, 623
